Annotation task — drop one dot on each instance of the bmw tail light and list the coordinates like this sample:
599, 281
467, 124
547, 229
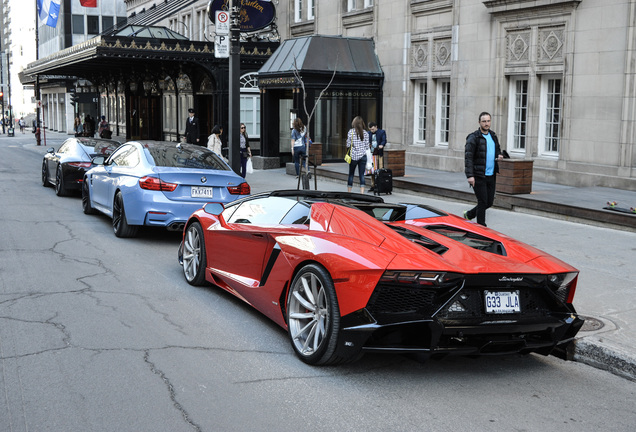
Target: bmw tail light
242, 189
155, 184
80, 164
564, 285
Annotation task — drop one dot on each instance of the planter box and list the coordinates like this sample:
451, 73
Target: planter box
394, 160
515, 176
315, 149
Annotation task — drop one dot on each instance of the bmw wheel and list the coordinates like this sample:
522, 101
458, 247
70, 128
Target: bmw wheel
313, 316
60, 190
45, 174
86, 199
194, 258
120, 225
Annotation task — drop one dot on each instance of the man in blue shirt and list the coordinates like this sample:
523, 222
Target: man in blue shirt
481, 168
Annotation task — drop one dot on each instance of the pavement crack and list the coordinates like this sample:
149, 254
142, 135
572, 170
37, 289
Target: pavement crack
171, 391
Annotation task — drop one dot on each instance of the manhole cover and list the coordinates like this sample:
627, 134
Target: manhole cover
591, 324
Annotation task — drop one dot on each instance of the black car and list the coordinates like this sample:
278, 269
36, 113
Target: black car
65, 168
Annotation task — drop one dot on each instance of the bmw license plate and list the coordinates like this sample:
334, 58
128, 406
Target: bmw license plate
201, 192
502, 302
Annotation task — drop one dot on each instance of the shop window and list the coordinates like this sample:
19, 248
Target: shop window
251, 105
92, 24
421, 94
443, 112
78, 24
550, 114
518, 114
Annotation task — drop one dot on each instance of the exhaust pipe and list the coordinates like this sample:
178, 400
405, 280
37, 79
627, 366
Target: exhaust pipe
176, 226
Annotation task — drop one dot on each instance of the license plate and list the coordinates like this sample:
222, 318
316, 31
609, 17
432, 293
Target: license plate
502, 302
201, 192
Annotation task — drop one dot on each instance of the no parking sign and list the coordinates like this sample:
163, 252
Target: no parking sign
222, 22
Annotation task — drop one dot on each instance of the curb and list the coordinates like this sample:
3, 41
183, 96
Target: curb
592, 353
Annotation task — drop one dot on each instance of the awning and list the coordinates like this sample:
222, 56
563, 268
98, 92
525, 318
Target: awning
140, 51
317, 56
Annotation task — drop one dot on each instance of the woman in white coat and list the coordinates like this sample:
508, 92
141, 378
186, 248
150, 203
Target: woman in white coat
214, 140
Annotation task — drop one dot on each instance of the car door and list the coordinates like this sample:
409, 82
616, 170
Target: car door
245, 242
54, 160
103, 178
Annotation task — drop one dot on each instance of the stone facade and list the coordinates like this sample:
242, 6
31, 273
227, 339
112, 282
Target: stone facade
558, 77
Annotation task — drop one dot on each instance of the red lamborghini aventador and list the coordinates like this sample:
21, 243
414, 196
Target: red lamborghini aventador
347, 274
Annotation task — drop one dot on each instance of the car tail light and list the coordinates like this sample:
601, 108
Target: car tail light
422, 278
80, 164
564, 285
242, 189
155, 184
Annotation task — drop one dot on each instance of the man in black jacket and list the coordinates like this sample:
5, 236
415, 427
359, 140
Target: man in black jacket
192, 128
481, 168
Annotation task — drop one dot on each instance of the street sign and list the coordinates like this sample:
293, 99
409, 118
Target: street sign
222, 46
222, 22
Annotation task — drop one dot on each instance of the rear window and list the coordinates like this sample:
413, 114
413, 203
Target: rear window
185, 156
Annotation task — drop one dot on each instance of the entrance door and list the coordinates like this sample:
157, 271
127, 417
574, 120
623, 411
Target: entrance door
145, 118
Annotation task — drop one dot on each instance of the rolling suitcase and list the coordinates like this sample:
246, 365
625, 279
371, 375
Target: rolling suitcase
383, 181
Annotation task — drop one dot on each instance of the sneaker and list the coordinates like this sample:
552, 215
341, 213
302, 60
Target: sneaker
466, 215
371, 189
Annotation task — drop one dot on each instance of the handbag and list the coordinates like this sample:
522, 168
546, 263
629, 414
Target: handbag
347, 157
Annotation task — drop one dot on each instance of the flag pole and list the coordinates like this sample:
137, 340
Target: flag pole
37, 76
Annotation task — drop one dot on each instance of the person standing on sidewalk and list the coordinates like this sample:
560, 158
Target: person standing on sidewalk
481, 168
192, 128
378, 141
246, 152
298, 143
358, 140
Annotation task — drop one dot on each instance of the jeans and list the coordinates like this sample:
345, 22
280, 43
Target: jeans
243, 164
298, 152
485, 192
361, 164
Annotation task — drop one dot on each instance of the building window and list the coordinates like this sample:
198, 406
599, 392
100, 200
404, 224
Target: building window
298, 10
518, 114
551, 115
421, 92
78, 24
311, 9
107, 22
353, 5
251, 105
443, 112
92, 24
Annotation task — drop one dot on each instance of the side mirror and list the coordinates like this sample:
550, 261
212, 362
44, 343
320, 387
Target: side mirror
99, 160
50, 150
214, 208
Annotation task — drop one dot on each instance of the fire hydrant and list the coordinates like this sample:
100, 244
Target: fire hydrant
37, 136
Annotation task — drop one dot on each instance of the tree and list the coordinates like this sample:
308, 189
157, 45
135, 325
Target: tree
296, 71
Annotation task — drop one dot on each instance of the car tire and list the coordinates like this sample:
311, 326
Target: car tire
59, 182
120, 224
313, 316
86, 199
45, 175
194, 255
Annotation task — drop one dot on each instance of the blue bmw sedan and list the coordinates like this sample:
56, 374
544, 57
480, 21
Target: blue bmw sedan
155, 183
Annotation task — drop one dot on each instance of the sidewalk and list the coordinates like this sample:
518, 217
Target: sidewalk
601, 343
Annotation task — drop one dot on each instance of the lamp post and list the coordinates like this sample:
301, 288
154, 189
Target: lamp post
234, 87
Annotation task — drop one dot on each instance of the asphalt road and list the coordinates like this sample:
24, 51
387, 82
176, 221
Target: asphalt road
104, 334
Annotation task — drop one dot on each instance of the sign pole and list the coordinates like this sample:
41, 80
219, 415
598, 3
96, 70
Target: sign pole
234, 88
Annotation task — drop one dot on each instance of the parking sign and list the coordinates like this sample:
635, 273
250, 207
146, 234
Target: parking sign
222, 22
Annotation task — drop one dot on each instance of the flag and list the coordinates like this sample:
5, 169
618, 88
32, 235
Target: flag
48, 11
88, 3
